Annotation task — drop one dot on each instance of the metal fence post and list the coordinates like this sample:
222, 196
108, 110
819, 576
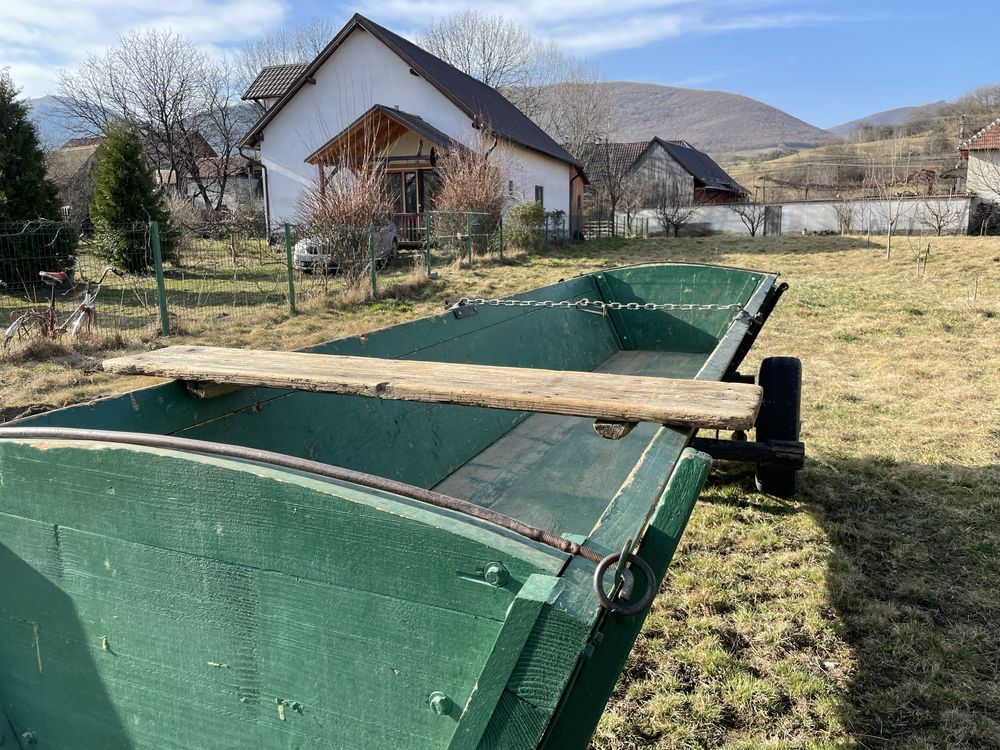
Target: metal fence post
501, 238
161, 287
372, 259
290, 266
427, 243
468, 235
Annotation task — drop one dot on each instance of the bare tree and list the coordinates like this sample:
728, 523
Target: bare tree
565, 96
846, 211
752, 215
670, 208
496, 51
941, 214
578, 107
340, 210
282, 47
887, 177
158, 82
473, 187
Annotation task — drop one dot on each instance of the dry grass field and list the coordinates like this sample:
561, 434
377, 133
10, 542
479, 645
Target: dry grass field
866, 612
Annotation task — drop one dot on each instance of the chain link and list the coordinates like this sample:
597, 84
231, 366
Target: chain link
585, 303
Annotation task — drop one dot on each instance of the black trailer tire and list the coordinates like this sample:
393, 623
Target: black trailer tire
779, 419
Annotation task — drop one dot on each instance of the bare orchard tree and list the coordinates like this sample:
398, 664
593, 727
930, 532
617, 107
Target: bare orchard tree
941, 214
752, 215
341, 211
637, 195
670, 207
888, 176
156, 81
846, 211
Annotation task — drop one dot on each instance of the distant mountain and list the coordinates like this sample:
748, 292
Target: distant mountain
53, 128
889, 117
713, 121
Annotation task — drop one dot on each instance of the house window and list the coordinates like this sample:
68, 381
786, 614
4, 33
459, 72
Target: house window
540, 195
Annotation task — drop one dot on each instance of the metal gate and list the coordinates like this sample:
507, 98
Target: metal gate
772, 219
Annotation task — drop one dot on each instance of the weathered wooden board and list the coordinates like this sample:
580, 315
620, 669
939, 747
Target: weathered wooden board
700, 404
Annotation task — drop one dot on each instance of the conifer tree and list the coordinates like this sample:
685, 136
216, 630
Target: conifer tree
126, 199
27, 195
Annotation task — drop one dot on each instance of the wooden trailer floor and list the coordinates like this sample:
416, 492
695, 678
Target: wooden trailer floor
555, 472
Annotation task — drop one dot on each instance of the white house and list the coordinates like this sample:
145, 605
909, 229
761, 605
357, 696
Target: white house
983, 154
369, 77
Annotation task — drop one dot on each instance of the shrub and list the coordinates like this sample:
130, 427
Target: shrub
524, 226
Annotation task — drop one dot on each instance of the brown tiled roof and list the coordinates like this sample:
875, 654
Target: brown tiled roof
987, 138
211, 167
95, 140
618, 157
480, 102
273, 81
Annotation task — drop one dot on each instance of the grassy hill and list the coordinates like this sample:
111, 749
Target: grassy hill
888, 117
713, 121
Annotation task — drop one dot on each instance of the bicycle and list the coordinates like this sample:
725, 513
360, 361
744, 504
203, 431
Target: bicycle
44, 321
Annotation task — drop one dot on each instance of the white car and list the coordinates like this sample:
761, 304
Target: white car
313, 255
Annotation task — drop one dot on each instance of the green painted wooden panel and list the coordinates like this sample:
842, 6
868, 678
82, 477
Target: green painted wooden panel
581, 710
515, 724
251, 515
167, 632
419, 443
521, 619
556, 472
676, 330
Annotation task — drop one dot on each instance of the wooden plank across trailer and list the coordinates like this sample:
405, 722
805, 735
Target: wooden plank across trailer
622, 398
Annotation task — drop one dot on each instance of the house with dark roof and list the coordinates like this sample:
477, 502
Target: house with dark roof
675, 166
982, 153
372, 85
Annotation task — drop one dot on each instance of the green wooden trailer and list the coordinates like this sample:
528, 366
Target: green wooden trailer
195, 565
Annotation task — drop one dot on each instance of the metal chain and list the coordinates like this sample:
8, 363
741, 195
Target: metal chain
589, 303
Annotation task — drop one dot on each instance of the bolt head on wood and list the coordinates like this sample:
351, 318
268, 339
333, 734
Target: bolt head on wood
440, 703
496, 575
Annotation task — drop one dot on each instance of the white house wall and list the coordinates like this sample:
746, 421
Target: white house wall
361, 73
821, 216
984, 174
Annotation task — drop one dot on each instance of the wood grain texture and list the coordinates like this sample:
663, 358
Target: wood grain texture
702, 404
489, 688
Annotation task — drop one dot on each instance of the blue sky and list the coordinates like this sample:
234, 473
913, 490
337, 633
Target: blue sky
826, 61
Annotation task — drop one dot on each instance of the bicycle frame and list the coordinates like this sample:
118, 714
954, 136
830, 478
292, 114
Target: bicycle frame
85, 312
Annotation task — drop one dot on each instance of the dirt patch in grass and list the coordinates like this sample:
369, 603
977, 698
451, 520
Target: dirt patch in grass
864, 613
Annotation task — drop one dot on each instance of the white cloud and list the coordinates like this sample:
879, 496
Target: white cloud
593, 26
38, 39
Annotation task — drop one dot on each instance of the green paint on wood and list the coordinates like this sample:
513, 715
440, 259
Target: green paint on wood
521, 617
581, 710
149, 591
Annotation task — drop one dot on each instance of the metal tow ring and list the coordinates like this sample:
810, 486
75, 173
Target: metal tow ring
626, 610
